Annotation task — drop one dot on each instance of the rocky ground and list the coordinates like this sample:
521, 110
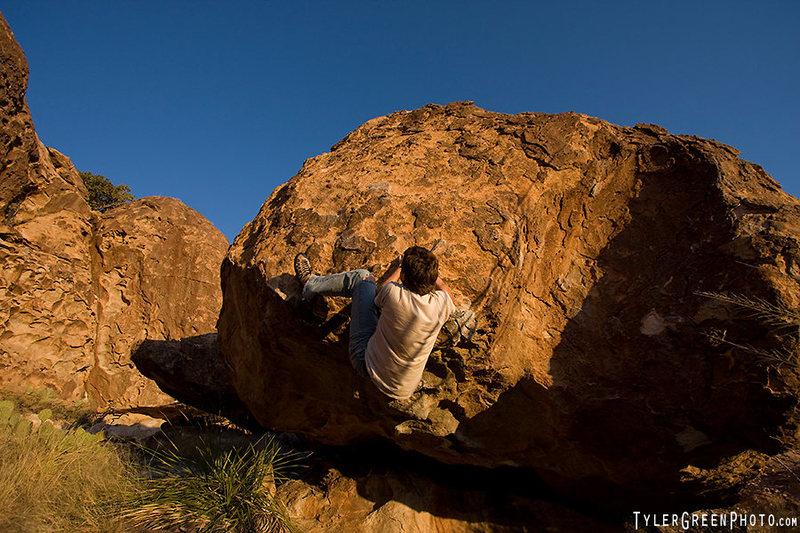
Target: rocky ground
375, 487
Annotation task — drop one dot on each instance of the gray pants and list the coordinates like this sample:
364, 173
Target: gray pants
363, 312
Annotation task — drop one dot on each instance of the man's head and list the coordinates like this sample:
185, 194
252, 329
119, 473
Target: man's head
420, 270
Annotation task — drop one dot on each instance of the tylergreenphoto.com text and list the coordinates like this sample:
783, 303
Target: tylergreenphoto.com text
729, 520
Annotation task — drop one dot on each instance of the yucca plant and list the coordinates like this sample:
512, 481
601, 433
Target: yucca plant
213, 489
777, 317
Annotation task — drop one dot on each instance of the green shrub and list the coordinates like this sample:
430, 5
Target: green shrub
30, 400
103, 194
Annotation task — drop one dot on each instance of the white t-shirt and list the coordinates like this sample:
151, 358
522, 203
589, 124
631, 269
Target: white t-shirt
407, 329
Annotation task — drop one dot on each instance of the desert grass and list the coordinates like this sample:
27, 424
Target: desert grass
59, 478
776, 315
54, 480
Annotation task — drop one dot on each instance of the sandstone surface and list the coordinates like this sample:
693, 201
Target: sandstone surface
156, 263
79, 289
580, 246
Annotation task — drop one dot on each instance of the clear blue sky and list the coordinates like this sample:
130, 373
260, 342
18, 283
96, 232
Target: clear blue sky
218, 103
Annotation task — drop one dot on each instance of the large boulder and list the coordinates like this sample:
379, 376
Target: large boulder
157, 265
581, 247
79, 290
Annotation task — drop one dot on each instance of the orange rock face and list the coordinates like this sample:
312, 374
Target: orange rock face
156, 263
579, 245
79, 289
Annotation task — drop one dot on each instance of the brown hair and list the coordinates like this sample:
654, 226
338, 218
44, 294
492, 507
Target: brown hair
420, 270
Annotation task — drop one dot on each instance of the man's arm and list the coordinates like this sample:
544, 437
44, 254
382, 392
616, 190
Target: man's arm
442, 286
393, 274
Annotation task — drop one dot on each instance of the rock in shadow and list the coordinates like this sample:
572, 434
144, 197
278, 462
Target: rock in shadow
373, 486
639, 397
192, 371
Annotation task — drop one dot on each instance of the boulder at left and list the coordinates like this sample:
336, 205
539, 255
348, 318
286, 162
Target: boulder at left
155, 266
80, 290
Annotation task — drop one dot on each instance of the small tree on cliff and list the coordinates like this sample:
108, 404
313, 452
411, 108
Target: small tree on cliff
103, 194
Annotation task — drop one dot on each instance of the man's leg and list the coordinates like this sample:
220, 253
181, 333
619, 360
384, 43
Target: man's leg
342, 284
363, 323
363, 313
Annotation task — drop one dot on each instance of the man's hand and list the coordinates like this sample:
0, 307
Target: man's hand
442, 286
393, 273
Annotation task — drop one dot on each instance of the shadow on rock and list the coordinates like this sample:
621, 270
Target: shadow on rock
639, 394
192, 371
374, 485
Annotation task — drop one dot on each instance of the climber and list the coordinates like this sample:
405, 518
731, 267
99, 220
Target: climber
393, 322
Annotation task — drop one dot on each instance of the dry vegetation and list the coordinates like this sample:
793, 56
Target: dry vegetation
54, 479
57, 477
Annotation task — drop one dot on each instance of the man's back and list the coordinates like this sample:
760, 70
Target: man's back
407, 330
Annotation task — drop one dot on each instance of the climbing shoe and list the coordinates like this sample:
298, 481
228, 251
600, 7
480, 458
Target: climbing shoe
302, 268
